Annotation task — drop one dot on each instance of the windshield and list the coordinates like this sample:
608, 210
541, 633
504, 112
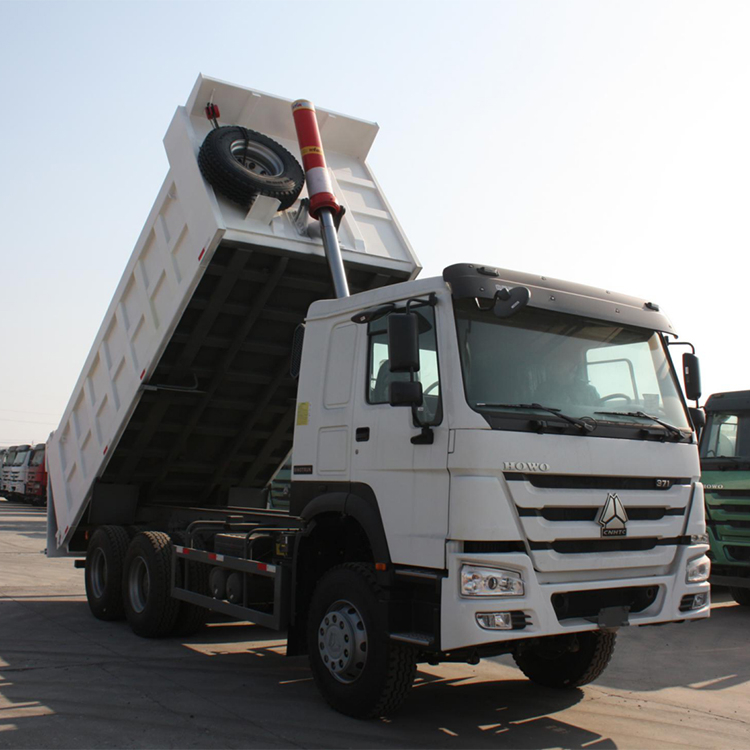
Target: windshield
20, 458
579, 366
37, 459
726, 436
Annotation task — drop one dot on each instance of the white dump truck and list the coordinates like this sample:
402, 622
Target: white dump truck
481, 463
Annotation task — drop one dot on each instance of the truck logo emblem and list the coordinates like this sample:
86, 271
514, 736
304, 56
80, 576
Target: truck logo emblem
612, 517
525, 466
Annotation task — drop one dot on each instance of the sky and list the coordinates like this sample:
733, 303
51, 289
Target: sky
597, 141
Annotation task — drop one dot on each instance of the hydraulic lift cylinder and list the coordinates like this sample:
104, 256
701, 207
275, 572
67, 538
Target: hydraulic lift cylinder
323, 204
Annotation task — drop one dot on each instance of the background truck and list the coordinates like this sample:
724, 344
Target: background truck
479, 463
725, 460
35, 488
15, 471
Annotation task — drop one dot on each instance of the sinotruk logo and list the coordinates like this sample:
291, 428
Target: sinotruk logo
612, 517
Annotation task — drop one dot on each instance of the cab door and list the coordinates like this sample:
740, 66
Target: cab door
404, 465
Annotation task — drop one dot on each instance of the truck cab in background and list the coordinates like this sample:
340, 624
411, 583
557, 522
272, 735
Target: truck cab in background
725, 462
5, 475
36, 477
18, 471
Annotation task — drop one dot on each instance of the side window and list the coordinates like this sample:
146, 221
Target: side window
723, 438
380, 376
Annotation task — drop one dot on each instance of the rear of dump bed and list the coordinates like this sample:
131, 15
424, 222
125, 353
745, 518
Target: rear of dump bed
185, 398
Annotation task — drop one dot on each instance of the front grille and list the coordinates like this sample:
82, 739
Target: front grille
740, 554
617, 544
730, 508
587, 604
561, 515
730, 522
581, 482
489, 548
590, 514
742, 494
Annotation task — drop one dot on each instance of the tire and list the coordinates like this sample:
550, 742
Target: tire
104, 563
345, 609
741, 596
242, 164
566, 661
191, 617
146, 583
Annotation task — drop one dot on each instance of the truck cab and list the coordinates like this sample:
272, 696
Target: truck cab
547, 453
8, 458
19, 470
36, 476
725, 460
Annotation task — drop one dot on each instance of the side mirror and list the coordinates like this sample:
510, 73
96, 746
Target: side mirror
698, 418
406, 393
691, 373
403, 342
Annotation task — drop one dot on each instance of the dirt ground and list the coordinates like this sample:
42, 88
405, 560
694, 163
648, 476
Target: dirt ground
70, 681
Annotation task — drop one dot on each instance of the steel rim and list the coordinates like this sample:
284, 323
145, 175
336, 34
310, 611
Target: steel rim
257, 159
139, 584
342, 641
98, 573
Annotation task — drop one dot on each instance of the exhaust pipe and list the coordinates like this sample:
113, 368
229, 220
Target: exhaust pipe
323, 204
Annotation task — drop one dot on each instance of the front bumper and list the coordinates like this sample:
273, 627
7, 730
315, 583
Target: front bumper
535, 614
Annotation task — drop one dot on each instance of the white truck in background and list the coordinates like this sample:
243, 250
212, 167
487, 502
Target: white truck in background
482, 463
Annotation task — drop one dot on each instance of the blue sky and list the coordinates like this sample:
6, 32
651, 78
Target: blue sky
602, 142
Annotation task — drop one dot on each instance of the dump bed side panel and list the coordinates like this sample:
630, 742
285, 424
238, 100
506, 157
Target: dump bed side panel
185, 394
149, 301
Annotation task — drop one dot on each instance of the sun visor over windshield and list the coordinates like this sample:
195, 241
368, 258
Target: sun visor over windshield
481, 282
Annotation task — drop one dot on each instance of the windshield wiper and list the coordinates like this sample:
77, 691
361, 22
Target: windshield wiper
734, 459
669, 427
580, 423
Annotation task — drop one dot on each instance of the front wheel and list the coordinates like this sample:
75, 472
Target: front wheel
357, 668
566, 661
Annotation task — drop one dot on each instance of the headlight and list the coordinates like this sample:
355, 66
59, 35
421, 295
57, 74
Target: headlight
698, 570
476, 581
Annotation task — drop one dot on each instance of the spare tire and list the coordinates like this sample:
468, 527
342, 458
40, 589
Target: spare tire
242, 164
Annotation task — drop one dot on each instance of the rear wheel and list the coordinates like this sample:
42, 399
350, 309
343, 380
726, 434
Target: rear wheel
359, 671
149, 606
741, 596
566, 661
104, 560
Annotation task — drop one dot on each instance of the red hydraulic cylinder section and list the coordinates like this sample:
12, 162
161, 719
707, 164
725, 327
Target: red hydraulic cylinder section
318, 180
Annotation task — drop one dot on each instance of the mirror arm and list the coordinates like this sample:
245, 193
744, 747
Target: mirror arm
426, 437
680, 343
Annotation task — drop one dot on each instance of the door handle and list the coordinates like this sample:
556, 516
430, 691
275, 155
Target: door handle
362, 434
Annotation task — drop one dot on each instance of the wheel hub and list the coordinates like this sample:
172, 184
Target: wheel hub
257, 158
99, 573
139, 584
342, 641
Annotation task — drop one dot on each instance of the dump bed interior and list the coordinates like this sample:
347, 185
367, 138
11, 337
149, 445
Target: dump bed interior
218, 410
186, 396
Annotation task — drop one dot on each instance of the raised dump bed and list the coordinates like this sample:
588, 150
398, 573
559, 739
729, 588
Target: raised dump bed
185, 397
